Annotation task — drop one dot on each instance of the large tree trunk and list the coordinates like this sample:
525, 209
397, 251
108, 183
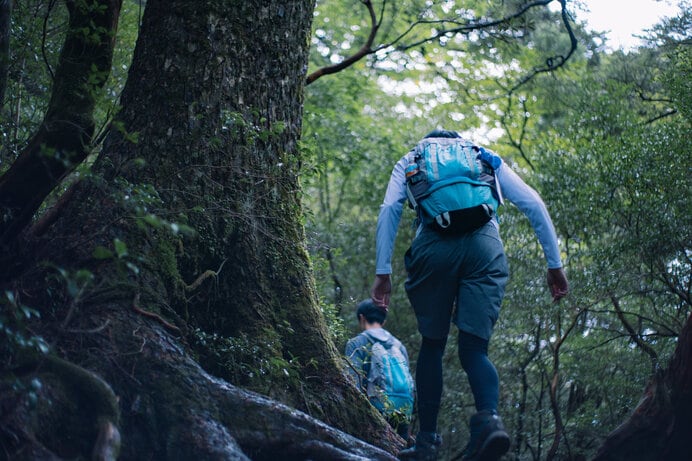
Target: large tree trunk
207, 140
660, 427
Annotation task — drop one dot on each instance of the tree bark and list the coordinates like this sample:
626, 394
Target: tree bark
659, 428
207, 139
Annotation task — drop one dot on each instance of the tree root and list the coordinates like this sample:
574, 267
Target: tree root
205, 275
104, 409
151, 315
204, 417
107, 446
183, 412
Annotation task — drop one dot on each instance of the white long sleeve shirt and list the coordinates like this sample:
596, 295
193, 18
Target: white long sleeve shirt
513, 188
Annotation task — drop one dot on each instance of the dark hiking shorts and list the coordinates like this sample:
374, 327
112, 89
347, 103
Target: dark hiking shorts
469, 268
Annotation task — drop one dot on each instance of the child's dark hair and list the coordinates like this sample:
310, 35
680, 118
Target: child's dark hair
371, 312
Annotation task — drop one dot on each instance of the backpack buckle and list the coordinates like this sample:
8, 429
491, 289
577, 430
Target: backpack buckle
443, 220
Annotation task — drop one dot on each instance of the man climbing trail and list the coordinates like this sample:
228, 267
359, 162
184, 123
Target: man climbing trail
457, 272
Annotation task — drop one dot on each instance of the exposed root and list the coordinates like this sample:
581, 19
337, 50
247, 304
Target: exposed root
83, 382
107, 446
205, 275
152, 315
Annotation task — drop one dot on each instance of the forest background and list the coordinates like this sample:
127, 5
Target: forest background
594, 138
602, 135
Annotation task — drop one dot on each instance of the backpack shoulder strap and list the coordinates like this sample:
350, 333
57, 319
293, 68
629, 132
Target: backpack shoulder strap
369, 342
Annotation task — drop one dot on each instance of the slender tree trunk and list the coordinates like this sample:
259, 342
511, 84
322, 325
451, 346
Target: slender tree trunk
554, 387
207, 140
63, 140
521, 414
5, 21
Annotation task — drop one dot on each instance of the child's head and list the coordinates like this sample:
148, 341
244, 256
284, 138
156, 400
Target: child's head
371, 312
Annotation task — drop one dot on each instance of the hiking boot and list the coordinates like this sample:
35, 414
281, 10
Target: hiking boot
488, 441
426, 448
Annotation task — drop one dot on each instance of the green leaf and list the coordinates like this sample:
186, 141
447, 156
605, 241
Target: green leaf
132, 267
120, 248
102, 253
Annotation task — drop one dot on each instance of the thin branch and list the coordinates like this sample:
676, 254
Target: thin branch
554, 388
554, 62
665, 114
152, 315
366, 49
361, 53
517, 144
53, 213
205, 275
674, 284
44, 31
464, 29
634, 336
646, 98
338, 286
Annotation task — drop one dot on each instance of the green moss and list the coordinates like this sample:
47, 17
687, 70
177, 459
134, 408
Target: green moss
167, 265
257, 363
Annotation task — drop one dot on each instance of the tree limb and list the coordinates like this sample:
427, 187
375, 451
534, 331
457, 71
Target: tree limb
554, 62
466, 28
361, 53
44, 31
554, 387
633, 335
367, 49
517, 143
665, 114
152, 315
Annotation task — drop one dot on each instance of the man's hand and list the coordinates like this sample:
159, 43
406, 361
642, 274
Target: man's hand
557, 282
381, 290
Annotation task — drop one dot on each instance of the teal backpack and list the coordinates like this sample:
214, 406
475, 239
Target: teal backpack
390, 385
451, 184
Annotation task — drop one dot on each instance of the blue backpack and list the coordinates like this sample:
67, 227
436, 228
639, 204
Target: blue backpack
390, 385
451, 184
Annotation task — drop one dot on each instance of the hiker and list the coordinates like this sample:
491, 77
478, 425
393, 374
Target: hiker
457, 272
380, 367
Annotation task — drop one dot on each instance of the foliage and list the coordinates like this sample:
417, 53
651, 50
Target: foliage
37, 33
14, 334
18, 340
247, 364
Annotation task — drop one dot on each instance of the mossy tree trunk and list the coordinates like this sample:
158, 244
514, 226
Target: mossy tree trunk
166, 325
659, 428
